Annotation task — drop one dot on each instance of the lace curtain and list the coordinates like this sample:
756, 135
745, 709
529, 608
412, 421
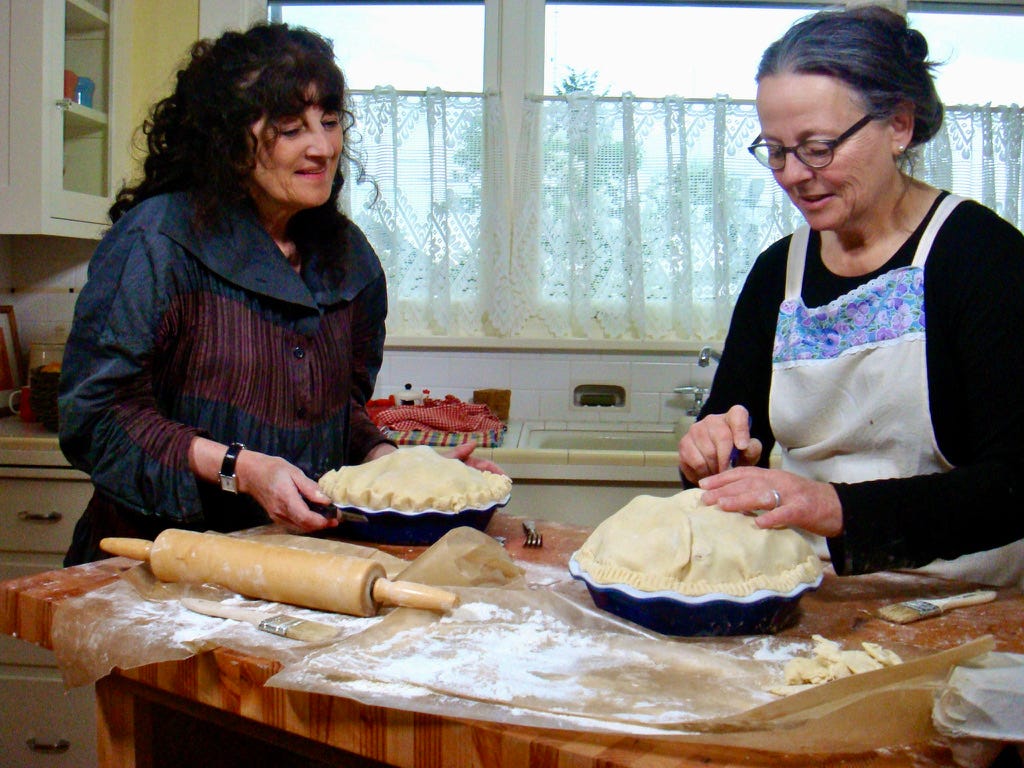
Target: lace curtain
625, 218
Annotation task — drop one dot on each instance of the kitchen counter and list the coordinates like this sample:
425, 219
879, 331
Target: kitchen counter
218, 698
29, 445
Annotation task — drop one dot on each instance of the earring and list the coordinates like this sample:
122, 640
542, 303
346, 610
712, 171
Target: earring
902, 149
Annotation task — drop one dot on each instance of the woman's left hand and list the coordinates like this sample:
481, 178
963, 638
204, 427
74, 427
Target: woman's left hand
464, 454
789, 500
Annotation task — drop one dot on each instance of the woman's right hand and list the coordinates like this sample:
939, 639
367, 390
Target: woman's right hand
707, 446
283, 490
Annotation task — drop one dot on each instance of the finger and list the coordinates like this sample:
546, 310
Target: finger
738, 419
305, 519
462, 452
692, 459
751, 454
485, 466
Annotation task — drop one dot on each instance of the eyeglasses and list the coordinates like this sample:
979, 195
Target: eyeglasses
814, 153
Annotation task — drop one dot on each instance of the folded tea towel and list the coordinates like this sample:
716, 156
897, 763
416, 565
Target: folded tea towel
441, 422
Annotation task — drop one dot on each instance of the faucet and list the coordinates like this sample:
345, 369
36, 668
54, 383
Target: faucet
706, 355
698, 394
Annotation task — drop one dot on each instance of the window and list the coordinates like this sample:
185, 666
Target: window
577, 170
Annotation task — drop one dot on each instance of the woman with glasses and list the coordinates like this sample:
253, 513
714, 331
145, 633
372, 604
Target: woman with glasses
881, 345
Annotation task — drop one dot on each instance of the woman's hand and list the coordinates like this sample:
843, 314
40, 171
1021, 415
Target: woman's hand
788, 499
707, 446
464, 454
283, 490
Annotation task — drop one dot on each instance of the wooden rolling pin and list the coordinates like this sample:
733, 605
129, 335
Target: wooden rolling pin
321, 580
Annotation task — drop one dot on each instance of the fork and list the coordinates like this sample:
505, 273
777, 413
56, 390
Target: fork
533, 537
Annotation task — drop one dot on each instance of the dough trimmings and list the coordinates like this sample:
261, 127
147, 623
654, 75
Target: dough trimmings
415, 479
830, 662
679, 545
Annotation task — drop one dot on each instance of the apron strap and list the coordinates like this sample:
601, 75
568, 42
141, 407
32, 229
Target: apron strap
795, 261
949, 202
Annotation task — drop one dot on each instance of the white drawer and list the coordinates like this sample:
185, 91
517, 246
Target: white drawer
39, 515
43, 725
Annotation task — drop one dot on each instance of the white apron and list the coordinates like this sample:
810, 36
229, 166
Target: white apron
849, 393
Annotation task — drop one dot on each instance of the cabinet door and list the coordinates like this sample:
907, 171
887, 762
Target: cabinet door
62, 161
43, 725
39, 515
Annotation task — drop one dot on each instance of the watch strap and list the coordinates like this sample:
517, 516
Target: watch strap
228, 479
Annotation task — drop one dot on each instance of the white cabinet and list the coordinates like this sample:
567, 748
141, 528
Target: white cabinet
42, 724
62, 162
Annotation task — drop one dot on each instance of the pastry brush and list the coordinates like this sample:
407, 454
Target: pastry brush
912, 610
274, 623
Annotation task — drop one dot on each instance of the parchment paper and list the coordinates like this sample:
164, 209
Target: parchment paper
523, 647
984, 698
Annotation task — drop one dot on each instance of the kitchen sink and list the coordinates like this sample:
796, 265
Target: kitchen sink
600, 439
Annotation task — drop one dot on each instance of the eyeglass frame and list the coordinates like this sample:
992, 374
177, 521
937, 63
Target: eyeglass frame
795, 149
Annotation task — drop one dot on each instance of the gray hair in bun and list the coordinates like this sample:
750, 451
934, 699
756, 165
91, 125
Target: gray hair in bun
873, 51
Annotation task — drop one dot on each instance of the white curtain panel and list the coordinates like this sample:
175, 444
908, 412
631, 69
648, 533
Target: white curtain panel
625, 219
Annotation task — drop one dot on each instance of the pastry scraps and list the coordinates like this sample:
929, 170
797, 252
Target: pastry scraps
828, 661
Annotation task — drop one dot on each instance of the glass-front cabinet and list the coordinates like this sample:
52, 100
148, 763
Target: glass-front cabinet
65, 79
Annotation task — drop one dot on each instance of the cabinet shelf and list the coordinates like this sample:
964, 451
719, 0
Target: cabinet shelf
82, 16
80, 120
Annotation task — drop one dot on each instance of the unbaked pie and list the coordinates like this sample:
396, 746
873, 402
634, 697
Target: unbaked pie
680, 545
415, 479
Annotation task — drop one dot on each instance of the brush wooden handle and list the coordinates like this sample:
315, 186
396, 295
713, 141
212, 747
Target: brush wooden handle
958, 601
321, 580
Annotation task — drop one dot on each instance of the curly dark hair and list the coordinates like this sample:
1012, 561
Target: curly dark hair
199, 139
874, 52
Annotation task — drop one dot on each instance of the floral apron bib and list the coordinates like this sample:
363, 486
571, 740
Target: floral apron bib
849, 393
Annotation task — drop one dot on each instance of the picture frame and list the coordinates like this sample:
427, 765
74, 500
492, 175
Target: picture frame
12, 364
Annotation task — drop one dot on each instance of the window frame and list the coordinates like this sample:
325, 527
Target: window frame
513, 71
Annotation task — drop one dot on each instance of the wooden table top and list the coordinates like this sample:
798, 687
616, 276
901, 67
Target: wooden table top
841, 609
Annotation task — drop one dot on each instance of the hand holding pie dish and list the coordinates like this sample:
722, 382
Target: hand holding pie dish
681, 567
413, 496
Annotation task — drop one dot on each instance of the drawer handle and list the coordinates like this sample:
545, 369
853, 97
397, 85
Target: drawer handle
58, 748
40, 517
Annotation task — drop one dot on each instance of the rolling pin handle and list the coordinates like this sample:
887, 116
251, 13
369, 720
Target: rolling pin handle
137, 549
409, 594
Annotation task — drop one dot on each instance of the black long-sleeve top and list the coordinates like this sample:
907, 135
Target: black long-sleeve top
974, 309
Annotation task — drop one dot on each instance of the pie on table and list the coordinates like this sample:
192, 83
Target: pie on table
680, 545
415, 479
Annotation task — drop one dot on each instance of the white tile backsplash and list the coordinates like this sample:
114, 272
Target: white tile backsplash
542, 382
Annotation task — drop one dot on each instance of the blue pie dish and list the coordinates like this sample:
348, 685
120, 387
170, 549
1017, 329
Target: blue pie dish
760, 613
394, 526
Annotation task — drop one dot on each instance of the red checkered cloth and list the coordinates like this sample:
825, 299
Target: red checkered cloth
440, 422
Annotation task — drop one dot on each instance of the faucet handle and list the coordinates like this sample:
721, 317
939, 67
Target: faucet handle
698, 394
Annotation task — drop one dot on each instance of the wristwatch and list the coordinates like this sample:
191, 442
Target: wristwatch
228, 479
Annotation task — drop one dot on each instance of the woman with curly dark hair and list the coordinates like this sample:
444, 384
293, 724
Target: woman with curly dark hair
232, 327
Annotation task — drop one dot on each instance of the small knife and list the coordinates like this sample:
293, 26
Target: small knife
275, 624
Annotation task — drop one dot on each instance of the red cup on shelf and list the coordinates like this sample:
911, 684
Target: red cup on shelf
70, 84
20, 403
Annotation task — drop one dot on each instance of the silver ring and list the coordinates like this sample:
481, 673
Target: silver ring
778, 499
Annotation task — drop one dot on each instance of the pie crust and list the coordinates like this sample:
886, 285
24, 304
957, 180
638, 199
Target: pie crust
413, 480
678, 544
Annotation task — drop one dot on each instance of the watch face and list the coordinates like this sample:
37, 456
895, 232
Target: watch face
228, 483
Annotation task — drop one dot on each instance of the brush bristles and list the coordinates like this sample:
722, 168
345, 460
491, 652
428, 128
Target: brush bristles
298, 629
904, 613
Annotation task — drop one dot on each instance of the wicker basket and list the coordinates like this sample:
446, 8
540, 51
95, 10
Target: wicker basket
43, 397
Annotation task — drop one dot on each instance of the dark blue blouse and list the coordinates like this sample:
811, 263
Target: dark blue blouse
178, 333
